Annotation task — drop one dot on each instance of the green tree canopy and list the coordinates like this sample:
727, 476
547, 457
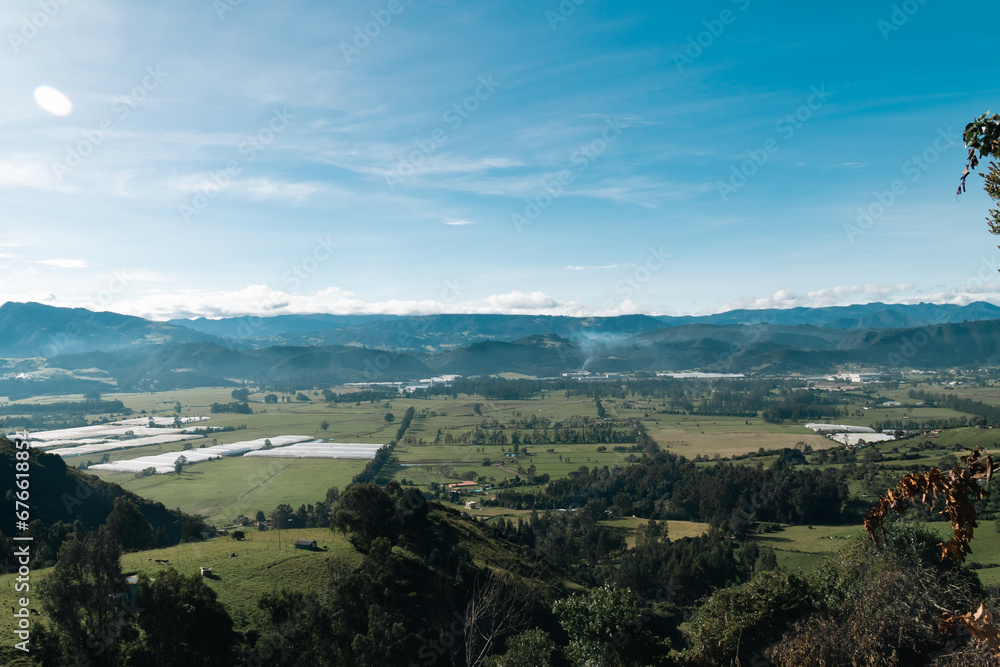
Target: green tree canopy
127, 525
86, 600
183, 623
982, 138
606, 629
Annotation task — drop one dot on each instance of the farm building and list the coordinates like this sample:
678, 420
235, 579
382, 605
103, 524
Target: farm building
471, 505
305, 544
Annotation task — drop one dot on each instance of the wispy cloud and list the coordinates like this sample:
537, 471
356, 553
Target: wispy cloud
264, 301
459, 223
831, 296
65, 263
599, 268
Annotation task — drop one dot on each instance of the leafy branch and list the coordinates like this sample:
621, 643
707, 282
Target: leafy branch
982, 138
958, 487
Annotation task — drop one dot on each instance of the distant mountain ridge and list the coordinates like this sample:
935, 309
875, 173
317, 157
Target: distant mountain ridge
442, 332
105, 350
37, 330
745, 348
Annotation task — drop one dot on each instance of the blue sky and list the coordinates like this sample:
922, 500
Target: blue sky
417, 156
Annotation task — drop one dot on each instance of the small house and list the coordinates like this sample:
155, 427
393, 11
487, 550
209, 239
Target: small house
306, 544
471, 505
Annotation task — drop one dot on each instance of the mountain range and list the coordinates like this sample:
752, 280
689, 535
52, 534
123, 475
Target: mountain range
37, 330
54, 350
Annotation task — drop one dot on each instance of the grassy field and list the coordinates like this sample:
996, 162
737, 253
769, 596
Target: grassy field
691, 435
675, 529
259, 567
221, 490
802, 547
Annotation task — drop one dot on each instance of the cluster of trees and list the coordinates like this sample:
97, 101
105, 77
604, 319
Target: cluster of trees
242, 395
307, 515
66, 502
668, 486
989, 415
61, 414
370, 395
683, 571
371, 471
234, 407
492, 388
96, 617
866, 606
594, 434
804, 404
89, 407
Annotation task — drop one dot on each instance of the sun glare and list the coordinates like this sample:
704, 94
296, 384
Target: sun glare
53, 101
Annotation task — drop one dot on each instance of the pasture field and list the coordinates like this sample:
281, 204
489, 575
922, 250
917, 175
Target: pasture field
860, 417
221, 490
676, 530
802, 547
259, 567
691, 435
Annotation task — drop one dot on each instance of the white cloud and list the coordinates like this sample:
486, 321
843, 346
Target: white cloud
65, 263
254, 188
267, 189
30, 171
459, 223
262, 301
821, 298
599, 268
520, 301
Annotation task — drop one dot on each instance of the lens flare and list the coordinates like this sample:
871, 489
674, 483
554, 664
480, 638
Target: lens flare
53, 101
